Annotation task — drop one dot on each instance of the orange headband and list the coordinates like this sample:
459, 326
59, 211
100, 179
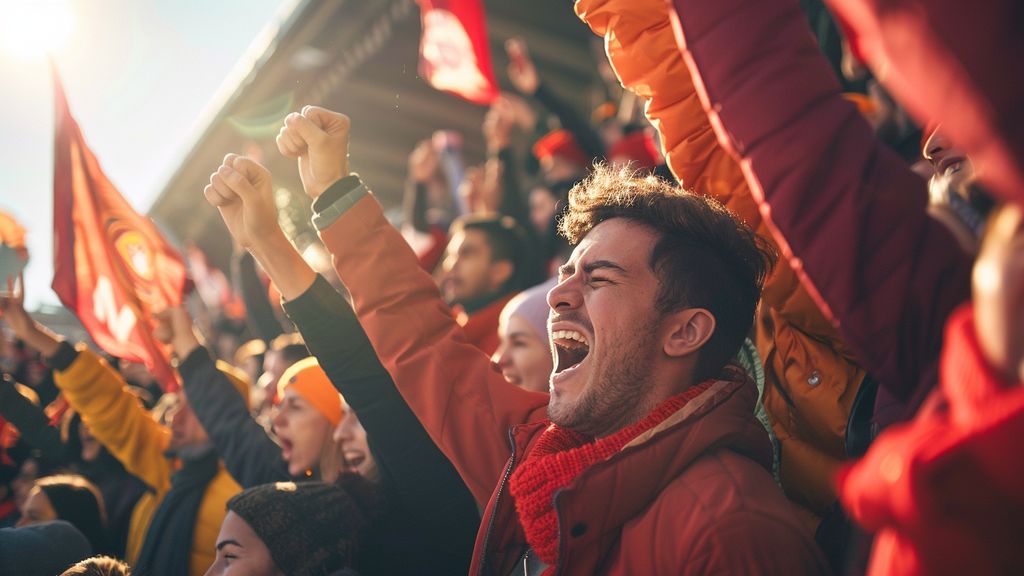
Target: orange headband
309, 381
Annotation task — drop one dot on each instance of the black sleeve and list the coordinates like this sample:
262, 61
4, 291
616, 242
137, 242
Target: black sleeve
513, 202
413, 469
249, 454
30, 420
259, 313
414, 206
588, 138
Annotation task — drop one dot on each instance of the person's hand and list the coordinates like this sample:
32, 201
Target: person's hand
174, 327
318, 138
12, 307
999, 293
12, 311
521, 71
522, 113
423, 162
241, 191
470, 188
498, 124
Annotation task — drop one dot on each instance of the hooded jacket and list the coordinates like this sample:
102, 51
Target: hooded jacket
122, 425
693, 496
811, 379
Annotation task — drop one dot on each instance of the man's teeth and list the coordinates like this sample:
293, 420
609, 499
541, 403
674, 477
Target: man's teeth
564, 335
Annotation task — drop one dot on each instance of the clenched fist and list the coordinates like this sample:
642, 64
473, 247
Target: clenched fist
318, 138
241, 190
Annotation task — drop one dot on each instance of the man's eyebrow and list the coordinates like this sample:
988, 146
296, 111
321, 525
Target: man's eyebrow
224, 543
603, 264
568, 269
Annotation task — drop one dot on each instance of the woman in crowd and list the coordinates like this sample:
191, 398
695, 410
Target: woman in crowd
429, 519
70, 498
524, 356
306, 529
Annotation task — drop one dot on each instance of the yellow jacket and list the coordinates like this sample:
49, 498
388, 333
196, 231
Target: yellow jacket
118, 420
811, 380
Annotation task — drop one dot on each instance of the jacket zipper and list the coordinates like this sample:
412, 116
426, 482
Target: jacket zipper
497, 499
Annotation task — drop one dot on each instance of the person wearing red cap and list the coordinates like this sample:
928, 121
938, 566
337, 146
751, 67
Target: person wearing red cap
561, 158
637, 150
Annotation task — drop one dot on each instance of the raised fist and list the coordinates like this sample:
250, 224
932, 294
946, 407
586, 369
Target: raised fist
241, 190
318, 138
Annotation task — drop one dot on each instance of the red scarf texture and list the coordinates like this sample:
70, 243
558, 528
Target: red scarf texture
558, 457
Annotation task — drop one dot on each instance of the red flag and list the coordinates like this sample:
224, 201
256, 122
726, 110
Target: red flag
454, 56
112, 267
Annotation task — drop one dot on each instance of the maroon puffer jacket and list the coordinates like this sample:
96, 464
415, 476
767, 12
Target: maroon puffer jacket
846, 211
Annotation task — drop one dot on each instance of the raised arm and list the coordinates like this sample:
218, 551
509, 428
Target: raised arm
473, 439
99, 394
249, 453
411, 465
30, 420
845, 210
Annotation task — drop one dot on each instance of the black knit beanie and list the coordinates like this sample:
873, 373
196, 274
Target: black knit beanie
310, 528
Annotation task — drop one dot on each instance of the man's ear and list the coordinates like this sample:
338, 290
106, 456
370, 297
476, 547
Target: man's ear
501, 272
688, 331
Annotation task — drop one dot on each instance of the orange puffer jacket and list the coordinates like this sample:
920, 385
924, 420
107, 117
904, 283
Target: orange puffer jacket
811, 380
691, 496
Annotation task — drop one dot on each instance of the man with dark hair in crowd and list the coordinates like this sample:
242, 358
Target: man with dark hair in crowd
648, 438
488, 262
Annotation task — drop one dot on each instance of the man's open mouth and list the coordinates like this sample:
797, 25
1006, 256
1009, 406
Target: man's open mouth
571, 348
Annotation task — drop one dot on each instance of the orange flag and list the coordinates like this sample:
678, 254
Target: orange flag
112, 267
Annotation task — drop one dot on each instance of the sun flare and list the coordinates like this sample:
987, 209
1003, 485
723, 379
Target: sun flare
34, 28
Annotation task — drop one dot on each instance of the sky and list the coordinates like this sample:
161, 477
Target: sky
139, 77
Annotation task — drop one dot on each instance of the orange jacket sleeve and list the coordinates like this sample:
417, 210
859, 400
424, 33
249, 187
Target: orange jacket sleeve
811, 379
463, 403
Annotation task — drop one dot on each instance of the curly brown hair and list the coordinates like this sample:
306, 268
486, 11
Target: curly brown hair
98, 566
704, 257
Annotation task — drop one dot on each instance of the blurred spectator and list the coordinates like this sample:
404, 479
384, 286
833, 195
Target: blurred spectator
174, 526
42, 549
524, 356
249, 358
488, 261
73, 499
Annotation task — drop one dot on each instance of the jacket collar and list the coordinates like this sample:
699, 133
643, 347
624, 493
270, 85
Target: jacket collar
722, 417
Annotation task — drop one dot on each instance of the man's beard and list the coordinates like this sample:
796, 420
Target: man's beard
613, 396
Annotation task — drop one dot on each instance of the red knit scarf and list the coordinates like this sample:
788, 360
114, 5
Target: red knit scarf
558, 457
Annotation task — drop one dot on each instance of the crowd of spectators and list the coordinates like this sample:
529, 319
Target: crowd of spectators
751, 318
